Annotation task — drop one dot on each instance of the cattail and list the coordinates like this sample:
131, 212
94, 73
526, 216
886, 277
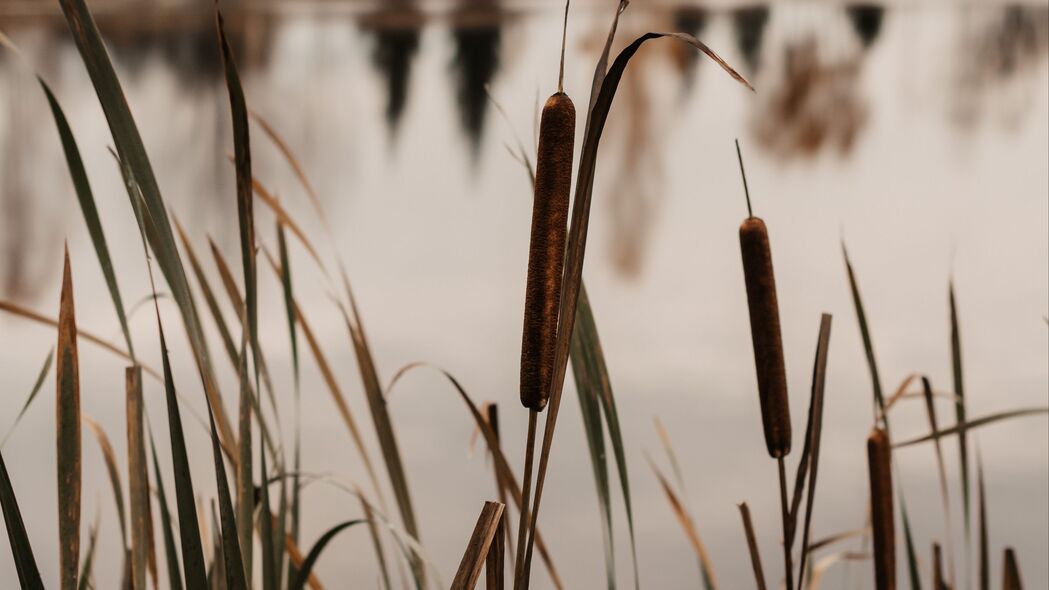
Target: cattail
1011, 571
765, 331
879, 460
546, 252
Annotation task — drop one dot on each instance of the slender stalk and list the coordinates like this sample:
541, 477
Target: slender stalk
743, 173
752, 545
520, 576
788, 540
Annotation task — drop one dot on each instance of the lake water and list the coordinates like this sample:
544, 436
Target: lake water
918, 136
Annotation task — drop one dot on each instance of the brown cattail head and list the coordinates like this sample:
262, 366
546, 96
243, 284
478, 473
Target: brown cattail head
883, 523
546, 252
1011, 571
765, 334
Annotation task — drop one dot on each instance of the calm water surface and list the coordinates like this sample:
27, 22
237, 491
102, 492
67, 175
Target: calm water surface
918, 136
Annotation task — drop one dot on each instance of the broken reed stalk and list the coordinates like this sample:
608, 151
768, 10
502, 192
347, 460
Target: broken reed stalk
485, 532
1011, 571
879, 461
546, 260
752, 545
938, 580
492, 415
493, 566
765, 329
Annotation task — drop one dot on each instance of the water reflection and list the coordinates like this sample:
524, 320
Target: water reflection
476, 33
866, 21
1004, 50
692, 20
397, 28
749, 24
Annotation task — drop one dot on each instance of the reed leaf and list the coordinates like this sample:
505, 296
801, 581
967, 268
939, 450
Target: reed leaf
485, 531
67, 403
930, 410
170, 552
21, 550
315, 552
973, 424
45, 369
269, 568
868, 346
600, 105
143, 191
959, 406
138, 482
189, 529
231, 552
586, 345
246, 219
984, 545
912, 557
86, 198
810, 454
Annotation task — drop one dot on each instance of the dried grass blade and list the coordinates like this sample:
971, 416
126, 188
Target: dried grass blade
315, 552
706, 568
380, 418
829, 540
752, 546
67, 423
231, 553
21, 550
575, 251
109, 456
329, 379
486, 529
26, 313
973, 424
37, 386
86, 198
87, 566
143, 191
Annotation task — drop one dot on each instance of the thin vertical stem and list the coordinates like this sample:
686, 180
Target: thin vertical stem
788, 540
526, 494
743, 173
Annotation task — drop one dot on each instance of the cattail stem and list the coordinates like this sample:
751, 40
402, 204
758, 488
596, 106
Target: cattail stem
564, 40
526, 493
883, 524
788, 535
743, 173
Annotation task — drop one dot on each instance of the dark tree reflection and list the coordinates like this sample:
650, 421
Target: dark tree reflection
476, 33
749, 24
397, 29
